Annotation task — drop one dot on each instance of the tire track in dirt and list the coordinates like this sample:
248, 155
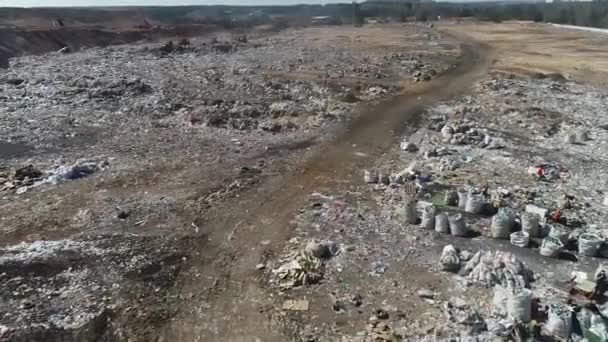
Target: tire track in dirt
224, 279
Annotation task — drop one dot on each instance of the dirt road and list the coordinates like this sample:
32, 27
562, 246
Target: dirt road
258, 226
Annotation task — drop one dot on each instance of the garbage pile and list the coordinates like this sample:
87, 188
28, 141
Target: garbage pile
535, 225
552, 208
77, 170
487, 268
413, 66
412, 175
464, 132
461, 317
501, 271
21, 177
487, 168
536, 191
522, 313
67, 301
286, 103
24, 178
170, 47
304, 267
196, 86
496, 268
517, 311
183, 93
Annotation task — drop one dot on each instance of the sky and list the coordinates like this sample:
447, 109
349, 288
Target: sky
62, 3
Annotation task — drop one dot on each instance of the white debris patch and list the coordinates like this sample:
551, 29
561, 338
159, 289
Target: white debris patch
46, 249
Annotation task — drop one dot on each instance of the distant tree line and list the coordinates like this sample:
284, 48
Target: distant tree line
594, 13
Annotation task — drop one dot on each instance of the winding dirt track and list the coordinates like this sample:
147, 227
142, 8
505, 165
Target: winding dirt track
229, 302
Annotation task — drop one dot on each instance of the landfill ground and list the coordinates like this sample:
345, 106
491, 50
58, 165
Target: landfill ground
175, 190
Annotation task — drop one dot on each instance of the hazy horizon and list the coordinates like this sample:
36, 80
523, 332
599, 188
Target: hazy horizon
92, 3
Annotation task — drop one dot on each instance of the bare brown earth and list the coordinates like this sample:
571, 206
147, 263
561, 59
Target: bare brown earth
527, 48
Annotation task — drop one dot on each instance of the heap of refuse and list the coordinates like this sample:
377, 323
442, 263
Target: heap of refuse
533, 317
24, 178
304, 267
301, 269
465, 132
497, 268
77, 170
523, 163
487, 268
460, 315
517, 310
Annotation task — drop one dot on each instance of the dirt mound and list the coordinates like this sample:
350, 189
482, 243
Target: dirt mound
25, 42
22, 42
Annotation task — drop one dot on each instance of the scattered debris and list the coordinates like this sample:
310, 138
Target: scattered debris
457, 226
75, 171
296, 305
450, 261
551, 247
520, 239
322, 250
409, 146
29, 176
458, 311
559, 321
55, 284
490, 269
589, 244
356, 300
380, 331
502, 223
65, 49
425, 293
300, 269
381, 314
370, 178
